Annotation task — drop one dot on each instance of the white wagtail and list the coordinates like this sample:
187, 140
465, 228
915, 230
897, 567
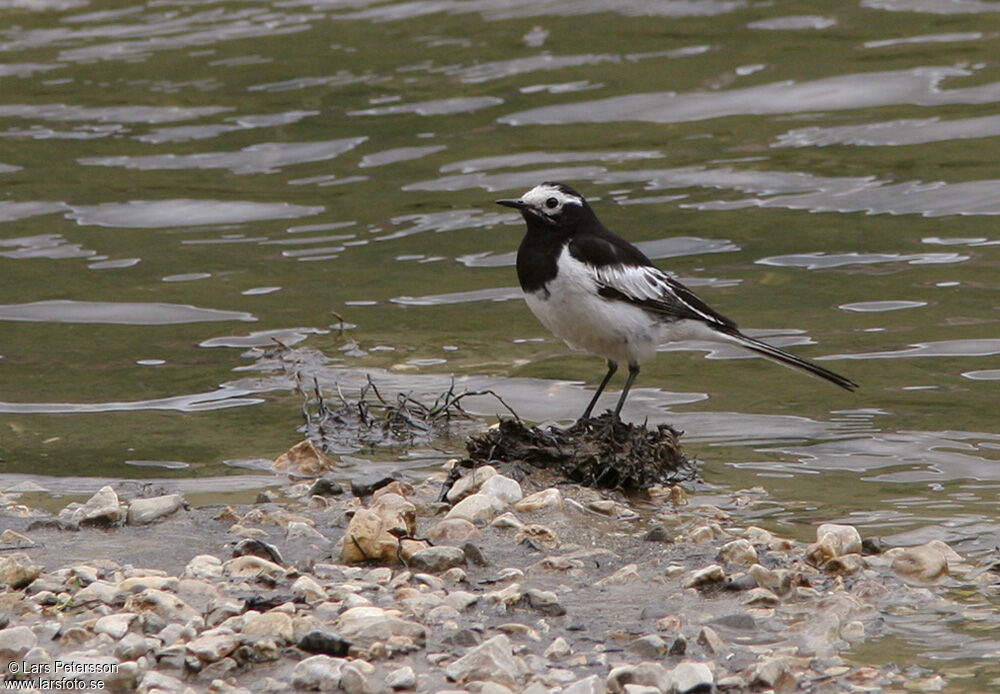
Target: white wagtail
600, 294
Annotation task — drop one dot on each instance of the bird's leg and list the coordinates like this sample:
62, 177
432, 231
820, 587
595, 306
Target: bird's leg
633, 371
612, 367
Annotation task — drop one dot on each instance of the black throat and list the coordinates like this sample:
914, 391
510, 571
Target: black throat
538, 253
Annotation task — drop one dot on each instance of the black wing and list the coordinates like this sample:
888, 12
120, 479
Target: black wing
624, 273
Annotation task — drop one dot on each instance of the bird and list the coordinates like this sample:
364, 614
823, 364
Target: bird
600, 294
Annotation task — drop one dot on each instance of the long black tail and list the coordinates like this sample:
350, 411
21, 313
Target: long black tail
790, 360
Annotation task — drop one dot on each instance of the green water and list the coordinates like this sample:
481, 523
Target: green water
271, 163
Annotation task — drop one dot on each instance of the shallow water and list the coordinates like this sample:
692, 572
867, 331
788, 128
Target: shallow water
186, 181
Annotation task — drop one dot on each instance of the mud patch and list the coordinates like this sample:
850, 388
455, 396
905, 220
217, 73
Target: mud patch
600, 453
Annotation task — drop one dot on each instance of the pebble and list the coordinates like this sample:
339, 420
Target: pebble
16, 641
545, 499
708, 638
833, 541
845, 565
303, 459
325, 486
204, 566
453, 530
491, 661
507, 520
273, 624
502, 490
474, 508
544, 601
318, 672
845, 539
401, 678
738, 552
470, 483
923, 564
17, 571
115, 625
367, 624
166, 605
353, 680
648, 647
708, 576
588, 685
213, 645
102, 509
558, 649
252, 566
133, 646
437, 559
767, 671
760, 596
777, 580
150, 510
690, 677
303, 532
307, 589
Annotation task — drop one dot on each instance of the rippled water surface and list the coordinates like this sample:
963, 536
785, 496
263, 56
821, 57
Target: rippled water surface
182, 183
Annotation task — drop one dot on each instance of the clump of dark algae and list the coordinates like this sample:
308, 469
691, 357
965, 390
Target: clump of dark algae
600, 452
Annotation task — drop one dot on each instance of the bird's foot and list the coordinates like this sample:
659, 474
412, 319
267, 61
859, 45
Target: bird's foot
602, 426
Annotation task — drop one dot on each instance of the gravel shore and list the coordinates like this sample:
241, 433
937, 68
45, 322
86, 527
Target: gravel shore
507, 585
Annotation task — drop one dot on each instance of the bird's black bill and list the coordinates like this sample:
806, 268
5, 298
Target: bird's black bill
516, 204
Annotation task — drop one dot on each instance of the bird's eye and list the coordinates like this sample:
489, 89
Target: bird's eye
552, 203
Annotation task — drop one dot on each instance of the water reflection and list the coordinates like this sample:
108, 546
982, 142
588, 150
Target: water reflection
921, 86
435, 107
267, 157
910, 131
774, 189
114, 312
156, 214
185, 133
983, 347
516, 9
823, 261
227, 396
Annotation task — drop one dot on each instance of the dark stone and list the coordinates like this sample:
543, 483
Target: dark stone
679, 646
262, 602
436, 559
658, 533
872, 545
369, 486
543, 601
324, 486
325, 642
266, 497
475, 555
258, 548
152, 623
739, 583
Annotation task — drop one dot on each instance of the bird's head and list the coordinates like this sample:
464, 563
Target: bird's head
555, 206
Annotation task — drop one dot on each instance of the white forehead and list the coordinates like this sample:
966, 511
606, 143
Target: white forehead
537, 196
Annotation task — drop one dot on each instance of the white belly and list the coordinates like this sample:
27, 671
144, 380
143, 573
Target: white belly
570, 307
